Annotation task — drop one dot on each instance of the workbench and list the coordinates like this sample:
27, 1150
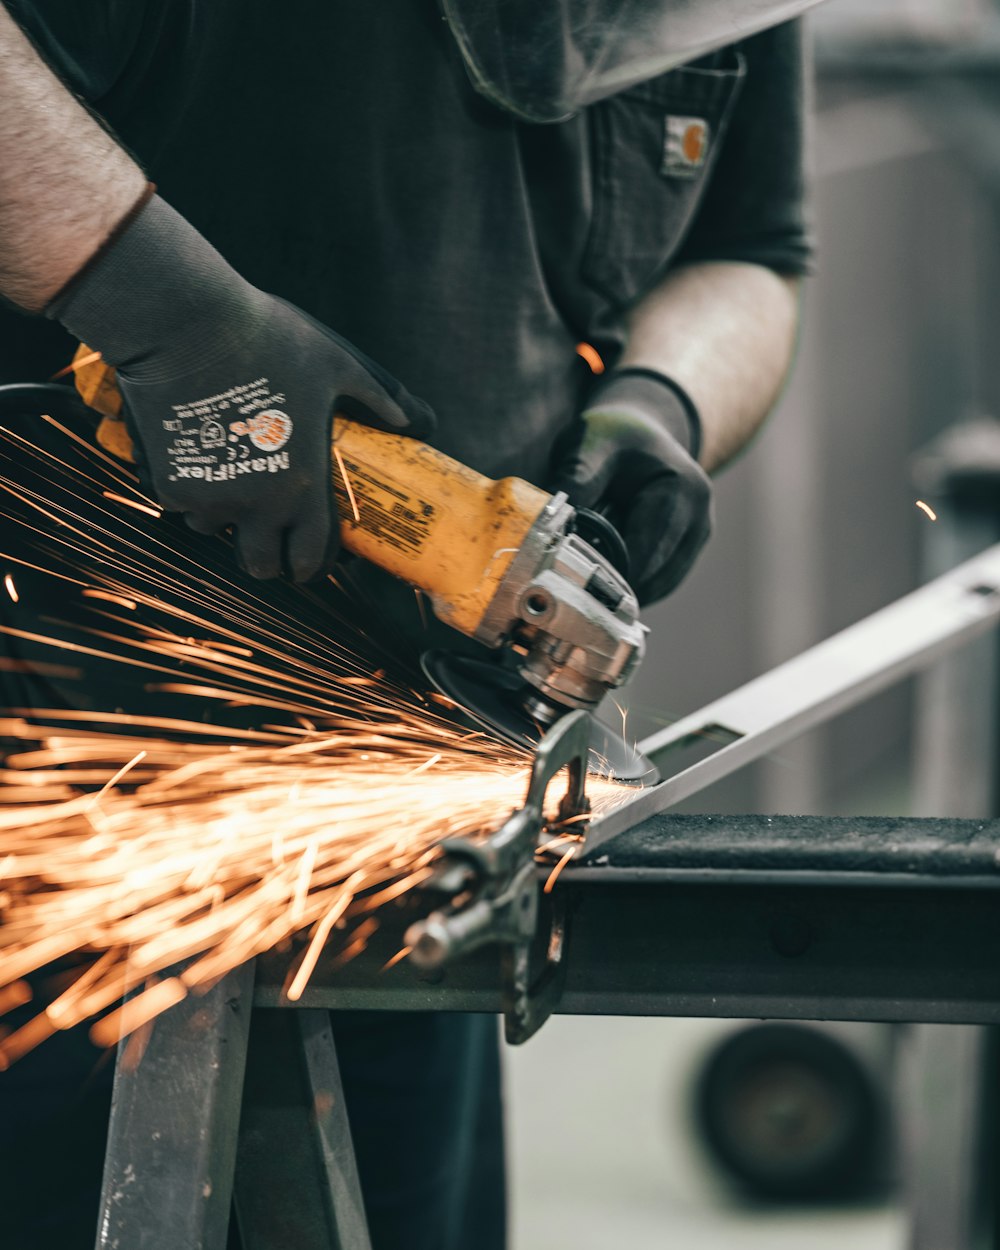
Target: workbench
810, 918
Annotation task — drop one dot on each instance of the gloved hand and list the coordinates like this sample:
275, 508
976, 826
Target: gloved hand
634, 459
229, 392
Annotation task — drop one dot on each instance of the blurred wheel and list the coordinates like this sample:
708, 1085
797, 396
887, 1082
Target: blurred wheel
789, 1112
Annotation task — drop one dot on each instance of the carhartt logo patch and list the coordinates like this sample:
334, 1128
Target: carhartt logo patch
685, 145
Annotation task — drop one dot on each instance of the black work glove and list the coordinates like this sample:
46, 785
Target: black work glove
634, 459
229, 391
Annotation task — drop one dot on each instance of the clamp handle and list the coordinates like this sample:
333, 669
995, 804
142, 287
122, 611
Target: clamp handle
504, 908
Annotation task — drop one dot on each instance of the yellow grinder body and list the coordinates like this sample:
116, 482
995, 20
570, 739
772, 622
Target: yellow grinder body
408, 508
429, 519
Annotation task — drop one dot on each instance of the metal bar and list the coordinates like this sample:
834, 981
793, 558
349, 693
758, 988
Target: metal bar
909, 931
946, 1080
296, 1176
168, 1171
816, 685
815, 953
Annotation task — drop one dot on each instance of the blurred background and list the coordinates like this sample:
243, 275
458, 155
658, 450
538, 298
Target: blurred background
816, 527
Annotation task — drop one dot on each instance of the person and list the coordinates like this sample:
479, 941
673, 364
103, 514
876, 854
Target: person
343, 199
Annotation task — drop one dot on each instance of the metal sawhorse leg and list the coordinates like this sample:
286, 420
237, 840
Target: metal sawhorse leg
948, 1104
231, 1109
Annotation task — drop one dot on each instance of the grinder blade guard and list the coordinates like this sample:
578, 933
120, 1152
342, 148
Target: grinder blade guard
496, 698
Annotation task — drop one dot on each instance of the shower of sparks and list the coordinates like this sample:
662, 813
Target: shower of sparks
186, 867
925, 507
159, 852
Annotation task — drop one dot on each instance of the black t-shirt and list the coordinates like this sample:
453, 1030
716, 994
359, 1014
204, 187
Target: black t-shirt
338, 156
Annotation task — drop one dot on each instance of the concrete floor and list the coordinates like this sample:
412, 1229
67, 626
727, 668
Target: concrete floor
603, 1155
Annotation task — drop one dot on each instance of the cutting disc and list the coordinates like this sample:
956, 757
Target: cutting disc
493, 697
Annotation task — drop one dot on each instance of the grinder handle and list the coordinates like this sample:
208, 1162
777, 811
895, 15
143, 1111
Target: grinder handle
403, 505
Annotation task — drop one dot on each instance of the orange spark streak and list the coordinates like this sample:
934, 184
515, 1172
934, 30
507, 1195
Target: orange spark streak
559, 841
924, 507
135, 1047
361, 935
590, 354
137, 1011
8, 582
125, 768
399, 956
15, 995
109, 597
303, 878
154, 512
347, 483
246, 652
428, 763
92, 451
151, 722
553, 875
319, 939
26, 498
38, 1029
74, 365
65, 1010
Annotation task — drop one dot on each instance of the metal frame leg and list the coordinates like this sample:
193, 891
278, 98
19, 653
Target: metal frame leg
296, 1176
957, 740
168, 1171
222, 1092
947, 1123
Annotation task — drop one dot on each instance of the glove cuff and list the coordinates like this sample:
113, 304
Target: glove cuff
156, 285
70, 285
655, 392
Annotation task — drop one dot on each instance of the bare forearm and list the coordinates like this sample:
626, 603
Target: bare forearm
726, 332
64, 182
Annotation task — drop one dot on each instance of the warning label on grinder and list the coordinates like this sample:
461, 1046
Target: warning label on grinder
382, 506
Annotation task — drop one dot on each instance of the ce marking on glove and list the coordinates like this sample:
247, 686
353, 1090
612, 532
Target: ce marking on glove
238, 453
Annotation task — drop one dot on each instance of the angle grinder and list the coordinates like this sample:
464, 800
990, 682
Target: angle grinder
503, 562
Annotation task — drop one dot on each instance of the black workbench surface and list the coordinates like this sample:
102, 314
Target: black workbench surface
786, 846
